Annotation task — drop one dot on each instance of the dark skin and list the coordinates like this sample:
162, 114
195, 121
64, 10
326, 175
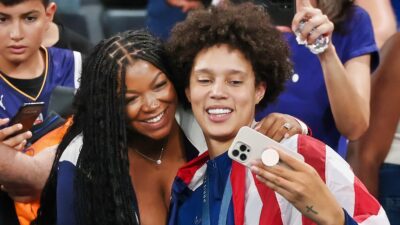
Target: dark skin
368, 153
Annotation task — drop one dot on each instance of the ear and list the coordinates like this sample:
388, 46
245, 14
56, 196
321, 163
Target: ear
50, 11
260, 91
187, 93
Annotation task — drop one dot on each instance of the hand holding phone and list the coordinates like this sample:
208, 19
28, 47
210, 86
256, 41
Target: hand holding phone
26, 115
249, 145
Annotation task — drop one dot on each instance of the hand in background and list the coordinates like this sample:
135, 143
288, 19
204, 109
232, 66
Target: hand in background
185, 5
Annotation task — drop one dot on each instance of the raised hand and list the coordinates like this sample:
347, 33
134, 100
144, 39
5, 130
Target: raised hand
185, 5
317, 23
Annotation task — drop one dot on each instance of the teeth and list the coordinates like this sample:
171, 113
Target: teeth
219, 111
155, 119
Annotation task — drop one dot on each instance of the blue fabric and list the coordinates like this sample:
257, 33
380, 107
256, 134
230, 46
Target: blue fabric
389, 191
396, 8
348, 220
60, 73
307, 98
161, 17
190, 212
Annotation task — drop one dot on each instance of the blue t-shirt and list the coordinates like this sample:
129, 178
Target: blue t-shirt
161, 17
305, 96
62, 68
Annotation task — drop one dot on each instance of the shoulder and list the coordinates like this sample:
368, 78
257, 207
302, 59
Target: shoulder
61, 55
72, 151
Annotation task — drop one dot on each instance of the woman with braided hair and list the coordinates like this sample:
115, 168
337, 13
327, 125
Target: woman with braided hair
119, 158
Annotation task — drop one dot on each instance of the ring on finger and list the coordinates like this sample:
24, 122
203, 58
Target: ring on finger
288, 126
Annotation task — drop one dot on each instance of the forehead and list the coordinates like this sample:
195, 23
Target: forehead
22, 7
222, 58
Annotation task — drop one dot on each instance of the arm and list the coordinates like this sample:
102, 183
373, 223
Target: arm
368, 153
23, 176
383, 19
348, 86
341, 198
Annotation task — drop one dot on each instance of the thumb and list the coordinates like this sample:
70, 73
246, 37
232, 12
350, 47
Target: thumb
304, 3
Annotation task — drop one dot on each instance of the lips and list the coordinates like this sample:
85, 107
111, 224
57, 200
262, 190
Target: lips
156, 118
219, 114
17, 49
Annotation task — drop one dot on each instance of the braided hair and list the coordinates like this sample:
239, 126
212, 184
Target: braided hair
104, 192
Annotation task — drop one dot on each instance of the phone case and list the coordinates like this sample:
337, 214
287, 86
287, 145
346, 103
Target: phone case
26, 115
249, 144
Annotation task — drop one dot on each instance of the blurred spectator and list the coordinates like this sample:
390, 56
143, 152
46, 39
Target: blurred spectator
383, 19
162, 15
330, 92
375, 157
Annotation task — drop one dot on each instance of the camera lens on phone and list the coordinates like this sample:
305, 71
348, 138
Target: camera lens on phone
243, 148
235, 152
243, 157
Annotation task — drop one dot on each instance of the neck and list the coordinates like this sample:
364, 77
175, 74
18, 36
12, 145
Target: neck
172, 144
29, 69
52, 35
217, 147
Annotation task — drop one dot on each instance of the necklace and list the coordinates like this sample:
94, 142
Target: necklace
158, 161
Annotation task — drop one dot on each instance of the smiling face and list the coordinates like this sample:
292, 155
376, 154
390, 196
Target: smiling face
222, 92
22, 27
150, 100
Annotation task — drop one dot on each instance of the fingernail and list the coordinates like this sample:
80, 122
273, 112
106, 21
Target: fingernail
254, 169
28, 133
286, 135
19, 126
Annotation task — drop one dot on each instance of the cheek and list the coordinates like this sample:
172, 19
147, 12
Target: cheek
132, 111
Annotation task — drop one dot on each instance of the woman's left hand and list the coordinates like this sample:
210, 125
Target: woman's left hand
301, 185
279, 126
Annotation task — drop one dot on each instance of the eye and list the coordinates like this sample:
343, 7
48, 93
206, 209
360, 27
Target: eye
160, 85
204, 81
3, 19
131, 99
235, 82
30, 18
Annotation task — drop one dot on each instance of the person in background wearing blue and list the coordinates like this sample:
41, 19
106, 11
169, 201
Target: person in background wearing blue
162, 15
330, 92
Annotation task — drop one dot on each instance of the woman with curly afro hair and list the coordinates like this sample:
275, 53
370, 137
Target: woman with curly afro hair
229, 61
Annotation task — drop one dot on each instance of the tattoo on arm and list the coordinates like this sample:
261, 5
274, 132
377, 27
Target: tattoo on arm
310, 209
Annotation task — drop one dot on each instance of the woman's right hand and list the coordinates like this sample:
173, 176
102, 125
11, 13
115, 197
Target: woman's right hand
298, 183
7, 137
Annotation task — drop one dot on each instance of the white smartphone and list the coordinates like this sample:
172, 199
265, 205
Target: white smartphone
249, 144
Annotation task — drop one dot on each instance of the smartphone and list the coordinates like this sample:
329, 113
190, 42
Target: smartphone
249, 144
26, 115
280, 11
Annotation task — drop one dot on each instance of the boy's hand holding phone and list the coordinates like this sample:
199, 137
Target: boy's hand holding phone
8, 135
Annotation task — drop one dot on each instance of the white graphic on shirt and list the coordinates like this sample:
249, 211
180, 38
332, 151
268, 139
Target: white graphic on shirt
1, 102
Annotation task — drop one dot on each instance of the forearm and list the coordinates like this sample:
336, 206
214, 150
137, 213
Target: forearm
348, 96
23, 174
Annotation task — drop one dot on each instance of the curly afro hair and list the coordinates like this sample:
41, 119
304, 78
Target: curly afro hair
245, 27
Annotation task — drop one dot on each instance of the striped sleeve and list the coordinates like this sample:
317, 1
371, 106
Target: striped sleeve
348, 190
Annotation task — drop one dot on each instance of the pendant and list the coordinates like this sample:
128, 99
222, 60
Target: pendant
158, 162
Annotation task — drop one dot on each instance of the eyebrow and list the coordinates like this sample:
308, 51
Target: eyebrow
152, 83
23, 14
210, 72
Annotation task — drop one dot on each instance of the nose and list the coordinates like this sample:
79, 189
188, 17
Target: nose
16, 32
218, 89
151, 102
